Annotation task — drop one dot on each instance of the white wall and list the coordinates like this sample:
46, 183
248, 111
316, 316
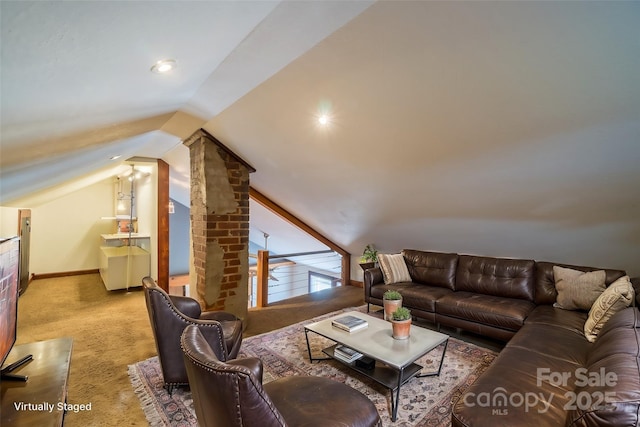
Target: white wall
66, 222
65, 232
147, 209
8, 221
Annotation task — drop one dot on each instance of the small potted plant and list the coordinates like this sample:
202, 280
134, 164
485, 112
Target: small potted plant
391, 300
369, 257
401, 323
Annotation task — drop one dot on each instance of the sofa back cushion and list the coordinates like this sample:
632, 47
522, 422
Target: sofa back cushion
503, 277
432, 268
545, 286
609, 390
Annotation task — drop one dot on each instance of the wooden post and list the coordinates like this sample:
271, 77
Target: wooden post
346, 269
163, 225
262, 296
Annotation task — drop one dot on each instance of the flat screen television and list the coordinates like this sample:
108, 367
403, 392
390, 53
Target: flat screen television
9, 291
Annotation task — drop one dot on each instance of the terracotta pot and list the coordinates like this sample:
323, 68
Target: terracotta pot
401, 329
390, 305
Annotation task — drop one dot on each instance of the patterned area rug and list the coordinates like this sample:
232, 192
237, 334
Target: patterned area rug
423, 401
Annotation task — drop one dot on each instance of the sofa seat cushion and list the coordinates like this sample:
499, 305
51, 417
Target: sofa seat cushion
423, 297
618, 380
505, 313
556, 342
414, 295
557, 317
614, 363
499, 396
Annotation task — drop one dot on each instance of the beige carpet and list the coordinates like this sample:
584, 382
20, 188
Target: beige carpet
111, 331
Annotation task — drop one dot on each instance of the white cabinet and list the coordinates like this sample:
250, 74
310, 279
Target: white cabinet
123, 267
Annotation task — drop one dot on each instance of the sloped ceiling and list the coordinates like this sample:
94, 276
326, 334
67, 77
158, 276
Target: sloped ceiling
494, 128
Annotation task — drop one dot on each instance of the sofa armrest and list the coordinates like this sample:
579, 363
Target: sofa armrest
372, 277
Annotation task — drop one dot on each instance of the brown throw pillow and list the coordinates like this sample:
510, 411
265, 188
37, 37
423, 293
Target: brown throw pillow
577, 290
616, 297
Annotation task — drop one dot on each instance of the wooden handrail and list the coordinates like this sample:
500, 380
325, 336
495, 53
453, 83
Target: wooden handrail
300, 254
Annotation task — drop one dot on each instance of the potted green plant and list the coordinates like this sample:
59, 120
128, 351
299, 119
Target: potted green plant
391, 301
401, 323
369, 257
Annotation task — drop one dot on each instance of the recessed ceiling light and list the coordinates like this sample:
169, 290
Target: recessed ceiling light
115, 157
323, 120
164, 66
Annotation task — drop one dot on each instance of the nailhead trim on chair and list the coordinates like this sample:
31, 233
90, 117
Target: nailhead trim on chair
199, 323
230, 370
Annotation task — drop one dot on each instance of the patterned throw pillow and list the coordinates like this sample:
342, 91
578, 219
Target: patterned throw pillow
616, 297
394, 269
577, 290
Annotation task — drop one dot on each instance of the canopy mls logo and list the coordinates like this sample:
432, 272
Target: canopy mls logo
500, 400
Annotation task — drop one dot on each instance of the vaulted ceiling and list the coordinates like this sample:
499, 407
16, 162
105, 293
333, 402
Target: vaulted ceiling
494, 128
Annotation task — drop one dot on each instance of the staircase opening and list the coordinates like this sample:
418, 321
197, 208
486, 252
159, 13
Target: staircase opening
287, 258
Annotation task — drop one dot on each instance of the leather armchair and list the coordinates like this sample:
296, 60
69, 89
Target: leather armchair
231, 394
170, 314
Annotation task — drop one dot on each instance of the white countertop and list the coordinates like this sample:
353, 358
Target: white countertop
118, 236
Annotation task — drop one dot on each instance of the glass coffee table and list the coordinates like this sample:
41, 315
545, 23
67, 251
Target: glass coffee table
394, 359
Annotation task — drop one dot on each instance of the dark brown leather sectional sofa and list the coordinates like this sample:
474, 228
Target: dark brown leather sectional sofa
548, 374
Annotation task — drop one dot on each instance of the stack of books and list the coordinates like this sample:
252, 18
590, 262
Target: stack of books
349, 323
346, 354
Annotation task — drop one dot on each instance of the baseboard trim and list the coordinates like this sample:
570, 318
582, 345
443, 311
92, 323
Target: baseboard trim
63, 274
356, 283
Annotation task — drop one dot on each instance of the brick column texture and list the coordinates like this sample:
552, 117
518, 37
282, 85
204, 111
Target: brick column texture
219, 225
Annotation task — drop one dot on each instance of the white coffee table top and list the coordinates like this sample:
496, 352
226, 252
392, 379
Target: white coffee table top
377, 342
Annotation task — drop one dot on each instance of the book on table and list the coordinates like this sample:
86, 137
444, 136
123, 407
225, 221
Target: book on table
346, 353
350, 323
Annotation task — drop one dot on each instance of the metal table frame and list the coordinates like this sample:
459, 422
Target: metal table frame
391, 377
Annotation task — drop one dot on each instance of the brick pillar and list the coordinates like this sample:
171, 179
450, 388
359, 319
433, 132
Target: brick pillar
219, 224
